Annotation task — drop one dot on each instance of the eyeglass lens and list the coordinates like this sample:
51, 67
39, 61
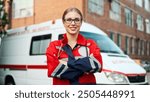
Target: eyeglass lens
76, 20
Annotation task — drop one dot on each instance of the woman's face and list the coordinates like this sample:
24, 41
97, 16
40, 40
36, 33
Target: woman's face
72, 22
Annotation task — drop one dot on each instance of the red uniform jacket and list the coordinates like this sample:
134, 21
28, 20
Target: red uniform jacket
82, 61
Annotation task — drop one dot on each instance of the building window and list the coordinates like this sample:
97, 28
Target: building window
119, 40
147, 5
148, 48
22, 8
143, 47
112, 36
139, 22
132, 45
127, 44
139, 47
128, 17
115, 12
139, 3
147, 22
96, 6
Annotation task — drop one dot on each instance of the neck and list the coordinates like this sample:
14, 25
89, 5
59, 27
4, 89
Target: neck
72, 37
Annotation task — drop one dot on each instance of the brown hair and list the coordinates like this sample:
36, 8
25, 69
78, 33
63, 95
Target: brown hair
70, 10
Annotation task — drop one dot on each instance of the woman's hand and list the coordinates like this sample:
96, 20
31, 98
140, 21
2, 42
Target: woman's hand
63, 62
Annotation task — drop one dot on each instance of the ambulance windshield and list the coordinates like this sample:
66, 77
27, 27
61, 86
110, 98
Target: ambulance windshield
104, 42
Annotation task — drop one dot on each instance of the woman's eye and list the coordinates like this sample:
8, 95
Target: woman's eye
77, 19
69, 19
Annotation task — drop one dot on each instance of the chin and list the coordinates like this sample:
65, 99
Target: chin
73, 33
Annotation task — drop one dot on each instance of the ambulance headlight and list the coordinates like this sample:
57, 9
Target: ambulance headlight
116, 78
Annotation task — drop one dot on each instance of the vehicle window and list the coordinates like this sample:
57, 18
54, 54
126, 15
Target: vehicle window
39, 44
104, 42
60, 36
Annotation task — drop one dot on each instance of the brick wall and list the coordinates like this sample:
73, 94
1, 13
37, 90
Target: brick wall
45, 10
108, 25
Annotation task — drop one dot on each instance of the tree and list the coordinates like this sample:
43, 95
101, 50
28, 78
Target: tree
3, 18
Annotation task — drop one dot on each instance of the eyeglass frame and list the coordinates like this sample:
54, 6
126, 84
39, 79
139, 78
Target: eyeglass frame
76, 22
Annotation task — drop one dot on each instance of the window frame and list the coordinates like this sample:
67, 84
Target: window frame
140, 23
22, 8
113, 14
148, 48
132, 45
127, 39
38, 38
119, 40
98, 7
129, 17
139, 3
147, 5
147, 25
112, 36
139, 47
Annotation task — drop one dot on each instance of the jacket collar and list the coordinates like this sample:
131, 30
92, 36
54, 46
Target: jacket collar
80, 40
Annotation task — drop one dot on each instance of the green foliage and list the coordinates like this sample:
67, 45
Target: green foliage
1, 2
3, 18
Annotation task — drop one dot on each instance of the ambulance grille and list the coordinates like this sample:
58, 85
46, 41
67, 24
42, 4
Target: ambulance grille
136, 79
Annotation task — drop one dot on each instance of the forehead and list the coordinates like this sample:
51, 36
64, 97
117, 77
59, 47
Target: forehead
72, 14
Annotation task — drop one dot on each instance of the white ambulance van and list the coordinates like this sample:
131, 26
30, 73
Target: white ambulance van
23, 60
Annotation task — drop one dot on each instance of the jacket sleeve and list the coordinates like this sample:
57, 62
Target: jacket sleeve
95, 56
92, 63
58, 69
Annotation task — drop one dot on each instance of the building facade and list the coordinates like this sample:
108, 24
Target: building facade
127, 22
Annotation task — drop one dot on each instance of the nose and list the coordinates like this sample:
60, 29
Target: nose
73, 22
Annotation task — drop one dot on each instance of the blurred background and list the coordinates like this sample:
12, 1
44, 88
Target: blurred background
127, 22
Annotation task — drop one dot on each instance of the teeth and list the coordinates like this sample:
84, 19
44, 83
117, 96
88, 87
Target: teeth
72, 28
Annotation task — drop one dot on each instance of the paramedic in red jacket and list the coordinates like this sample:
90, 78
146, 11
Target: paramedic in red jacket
73, 59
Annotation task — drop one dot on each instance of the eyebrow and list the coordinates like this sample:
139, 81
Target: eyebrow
73, 18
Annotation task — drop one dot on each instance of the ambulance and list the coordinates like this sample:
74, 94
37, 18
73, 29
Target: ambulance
23, 60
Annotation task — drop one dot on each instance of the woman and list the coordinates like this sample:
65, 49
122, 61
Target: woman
64, 59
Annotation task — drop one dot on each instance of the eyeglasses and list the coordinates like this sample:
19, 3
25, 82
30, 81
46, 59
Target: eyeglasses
76, 20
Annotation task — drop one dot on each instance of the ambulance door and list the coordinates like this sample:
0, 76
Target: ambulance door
37, 68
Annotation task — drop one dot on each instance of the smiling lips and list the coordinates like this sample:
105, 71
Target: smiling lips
73, 28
